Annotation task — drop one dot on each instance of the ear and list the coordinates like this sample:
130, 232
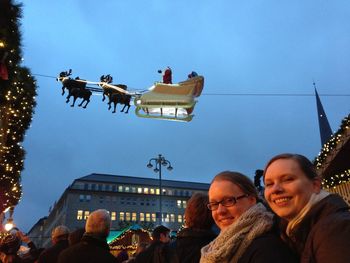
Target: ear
317, 184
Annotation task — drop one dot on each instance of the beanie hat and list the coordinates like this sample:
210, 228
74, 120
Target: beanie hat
10, 244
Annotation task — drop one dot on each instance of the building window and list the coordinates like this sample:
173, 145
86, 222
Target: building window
133, 189
113, 216
145, 190
152, 191
172, 218
133, 217
154, 218
86, 214
142, 217
100, 187
93, 186
87, 198
165, 217
80, 215
165, 192
113, 188
179, 218
179, 203
127, 216
157, 191
101, 199
148, 217
121, 216
81, 198
127, 189
120, 188
107, 187
86, 186
184, 204
139, 190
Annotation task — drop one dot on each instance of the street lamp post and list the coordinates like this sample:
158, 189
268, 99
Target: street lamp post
158, 163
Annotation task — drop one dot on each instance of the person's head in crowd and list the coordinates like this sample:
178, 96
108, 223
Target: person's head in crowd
98, 223
161, 233
290, 180
197, 215
75, 236
230, 195
10, 244
59, 233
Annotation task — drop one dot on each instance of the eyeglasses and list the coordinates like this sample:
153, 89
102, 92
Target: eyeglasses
229, 201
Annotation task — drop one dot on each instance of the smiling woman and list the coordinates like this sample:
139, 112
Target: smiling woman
314, 222
247, 232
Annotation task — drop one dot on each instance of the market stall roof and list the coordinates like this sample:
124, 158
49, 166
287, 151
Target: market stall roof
333, 163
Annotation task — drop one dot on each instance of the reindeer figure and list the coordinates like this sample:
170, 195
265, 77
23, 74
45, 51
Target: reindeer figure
119, 98
114, 95
68, 82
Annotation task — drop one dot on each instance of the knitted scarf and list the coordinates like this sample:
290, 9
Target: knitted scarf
232, 242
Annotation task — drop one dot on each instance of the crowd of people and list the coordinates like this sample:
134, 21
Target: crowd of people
295, 221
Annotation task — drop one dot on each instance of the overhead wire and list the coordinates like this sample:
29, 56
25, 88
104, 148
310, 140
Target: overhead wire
228, 94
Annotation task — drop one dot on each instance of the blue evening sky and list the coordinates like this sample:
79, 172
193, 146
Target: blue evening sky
240, 47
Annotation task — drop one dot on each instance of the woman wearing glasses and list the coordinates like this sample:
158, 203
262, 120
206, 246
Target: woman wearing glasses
247, 233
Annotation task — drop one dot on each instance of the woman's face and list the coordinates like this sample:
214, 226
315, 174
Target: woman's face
224, 216
287, 189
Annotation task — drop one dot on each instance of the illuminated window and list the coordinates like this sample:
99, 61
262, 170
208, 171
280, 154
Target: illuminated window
172, 218
157, 191
127, 189
120, 188
88, 198
148, 217
145, 190
179, 218
142, 217
133, 189
113, 216
86, 214
154, 218
179, 203
127, 216
166, 218
139, 190
121, 216
152, 191
184, 204
133, 217
164, 191
80, 215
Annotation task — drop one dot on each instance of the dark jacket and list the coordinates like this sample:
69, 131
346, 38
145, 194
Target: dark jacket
268, 248
50, 255
90, 249
157, 252
323, 236
189, 242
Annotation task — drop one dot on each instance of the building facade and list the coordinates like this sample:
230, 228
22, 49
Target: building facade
128, 199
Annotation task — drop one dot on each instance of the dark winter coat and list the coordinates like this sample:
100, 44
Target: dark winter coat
323, 235
189, 242
89, 250
157, 252
50, 255
268, 248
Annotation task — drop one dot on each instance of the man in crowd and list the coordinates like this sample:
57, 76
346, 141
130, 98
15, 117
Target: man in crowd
93, 247
59, 238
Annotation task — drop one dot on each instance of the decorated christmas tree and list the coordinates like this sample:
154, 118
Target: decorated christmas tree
17, 102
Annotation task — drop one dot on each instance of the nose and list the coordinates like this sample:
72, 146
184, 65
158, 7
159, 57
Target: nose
276, 188
221, 209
